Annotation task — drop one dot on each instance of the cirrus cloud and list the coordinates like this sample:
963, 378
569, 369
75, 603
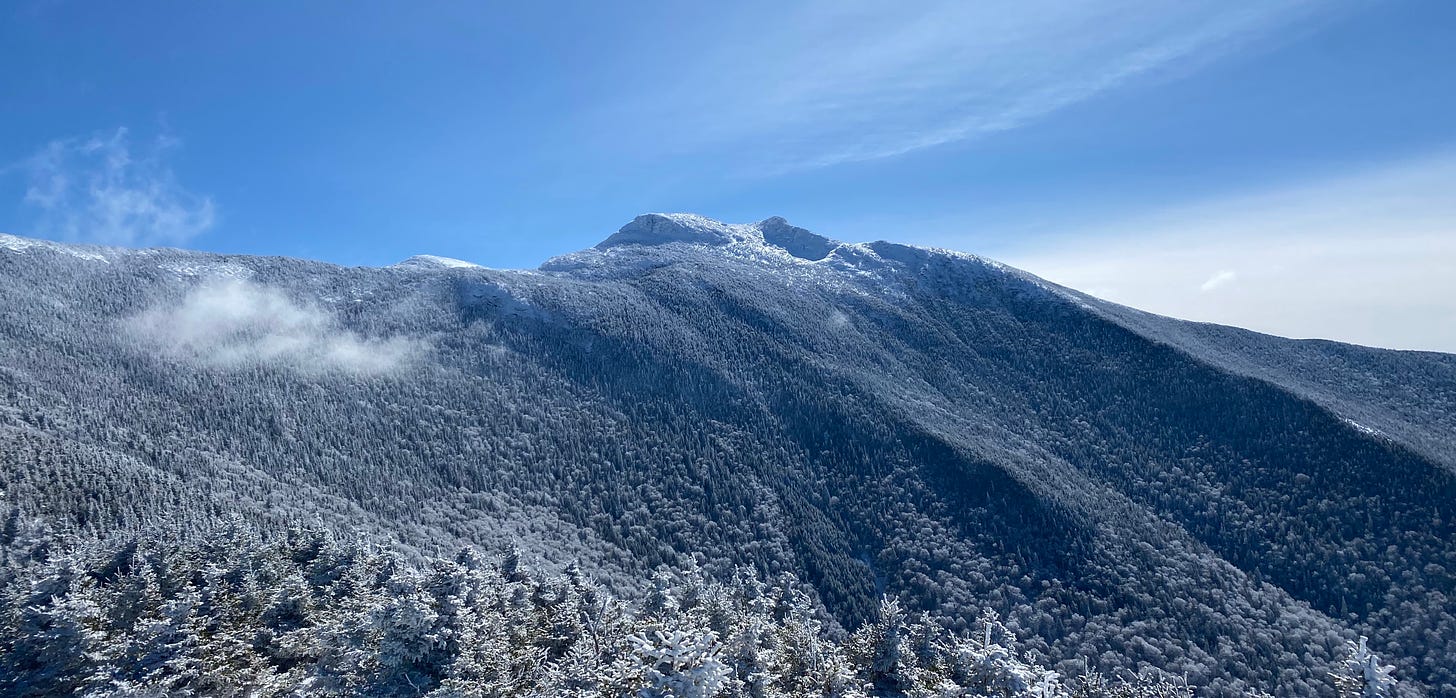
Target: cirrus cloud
827, 82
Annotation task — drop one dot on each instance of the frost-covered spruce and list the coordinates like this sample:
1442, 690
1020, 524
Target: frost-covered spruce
303, 614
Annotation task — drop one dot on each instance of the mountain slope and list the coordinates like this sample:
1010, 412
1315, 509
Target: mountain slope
1407, 395
870, 417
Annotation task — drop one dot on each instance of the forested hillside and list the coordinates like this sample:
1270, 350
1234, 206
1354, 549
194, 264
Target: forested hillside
1131, 494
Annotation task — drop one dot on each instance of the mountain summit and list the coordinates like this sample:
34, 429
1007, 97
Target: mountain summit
666, 228
864, 419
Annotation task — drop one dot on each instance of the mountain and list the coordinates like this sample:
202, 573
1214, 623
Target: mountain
1130, 492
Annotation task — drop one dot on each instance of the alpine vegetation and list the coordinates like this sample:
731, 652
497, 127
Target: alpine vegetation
234, 614
852, 461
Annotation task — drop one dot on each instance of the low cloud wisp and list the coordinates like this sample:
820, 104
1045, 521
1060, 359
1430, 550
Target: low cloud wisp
102, 189
234, 323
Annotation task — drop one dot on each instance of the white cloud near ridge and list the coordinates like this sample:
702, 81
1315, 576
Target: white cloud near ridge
234, 323
1368, 258
102, 189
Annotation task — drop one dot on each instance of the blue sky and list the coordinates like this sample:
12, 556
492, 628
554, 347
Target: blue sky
1286, 165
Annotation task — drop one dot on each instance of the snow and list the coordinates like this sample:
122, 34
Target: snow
771, 240
429, 261
795, 240
657, 240
774, 235
208, 269
663, 228
25, 245
680, 664
1368, 431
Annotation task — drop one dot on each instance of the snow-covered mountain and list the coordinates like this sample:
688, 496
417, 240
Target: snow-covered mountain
1129, 491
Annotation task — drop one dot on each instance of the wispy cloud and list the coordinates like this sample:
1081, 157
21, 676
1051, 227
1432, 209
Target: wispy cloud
234, 323
1221, 278
103, 189
1366, 258
840, 81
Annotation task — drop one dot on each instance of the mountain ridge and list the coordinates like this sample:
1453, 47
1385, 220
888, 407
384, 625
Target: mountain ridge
693, 229
978, 435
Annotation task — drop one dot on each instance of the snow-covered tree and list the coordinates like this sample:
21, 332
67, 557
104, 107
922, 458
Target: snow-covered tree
1362, 675
679, 664
251, 615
